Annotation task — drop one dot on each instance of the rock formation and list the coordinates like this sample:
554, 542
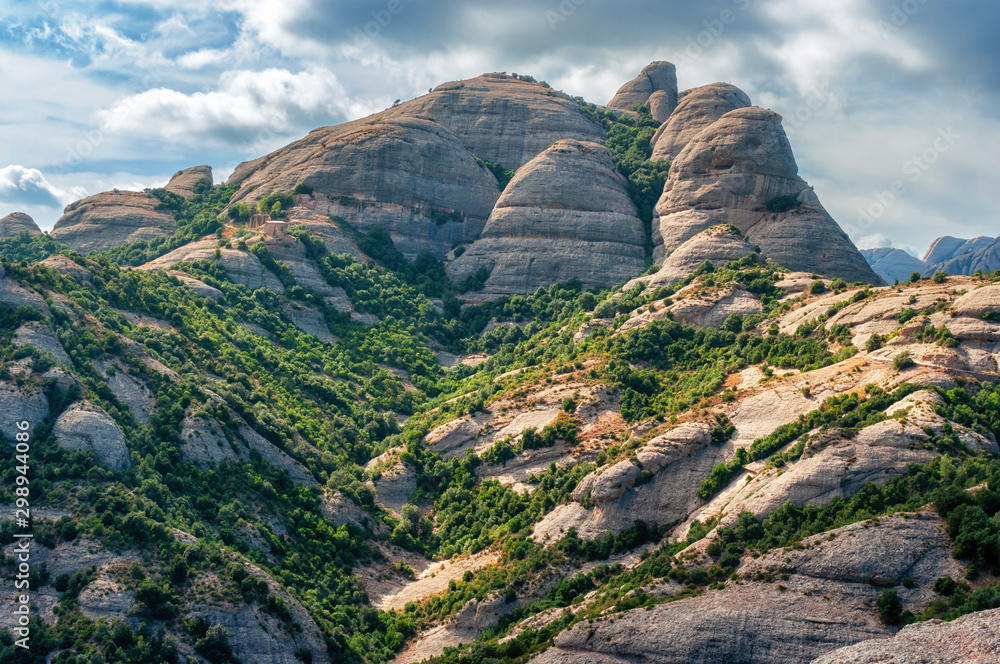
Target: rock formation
655, 88
717, 245
86, 427
730, 173
16, 223
970, 256
15, 295
696, 109
106, 220
410, 175
892, 264
565, 215
970, 639
183, 182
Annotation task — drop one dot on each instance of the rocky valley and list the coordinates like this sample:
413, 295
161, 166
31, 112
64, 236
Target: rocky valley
501, 375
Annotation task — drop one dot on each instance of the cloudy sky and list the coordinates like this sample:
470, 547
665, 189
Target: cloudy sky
892, 107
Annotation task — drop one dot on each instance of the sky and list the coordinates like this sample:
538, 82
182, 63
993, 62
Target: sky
891, 107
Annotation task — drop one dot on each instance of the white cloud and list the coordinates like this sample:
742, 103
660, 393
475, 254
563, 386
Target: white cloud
245, 105
20, 185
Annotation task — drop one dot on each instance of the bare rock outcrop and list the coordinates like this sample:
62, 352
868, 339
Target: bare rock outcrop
183, 182
16, 223
975, 255
892, 264
970, 639
69, 267
110, 219
15, 295
86, 427
717, 245
198, 286
25, 403
696, 109
565, 215
729, 174
40, 336
410, 175
241, 267
657, 78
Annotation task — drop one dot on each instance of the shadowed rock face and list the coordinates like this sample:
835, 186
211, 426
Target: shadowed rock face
112, 218
655, 88
728, 174
410, 175
16, 223
696, 109
565, 215
184, 181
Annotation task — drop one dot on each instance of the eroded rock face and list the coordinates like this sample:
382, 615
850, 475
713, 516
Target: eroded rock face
86, 427
106, 220
15, 295
659, 78
183, 182
971, 639
728, 174
40, 336
892, 264
241, 266
20, 404
717, 245
566, 215
977, 254
410, 175
198, 286
696, 109
16, 223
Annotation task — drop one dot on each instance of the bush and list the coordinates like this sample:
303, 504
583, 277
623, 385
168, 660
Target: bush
817, 287
940, 277
915, 277
874, 342
890, 607
303, 188
903, 361
783, 204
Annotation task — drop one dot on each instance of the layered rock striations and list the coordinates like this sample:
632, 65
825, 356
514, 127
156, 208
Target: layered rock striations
696, 109
655, 88
16, 223
717, 245
732, 173
565, 215
112, 218
412, 176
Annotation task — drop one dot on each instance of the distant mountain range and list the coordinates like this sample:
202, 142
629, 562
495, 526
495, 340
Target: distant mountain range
947, 254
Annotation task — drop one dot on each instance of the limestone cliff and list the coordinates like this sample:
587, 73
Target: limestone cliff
695, 110
655, 88
565, 215
183, 182
16, 223
112, 218
740, 170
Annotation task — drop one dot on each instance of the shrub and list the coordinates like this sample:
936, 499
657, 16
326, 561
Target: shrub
915, 277
940, 277
874, 342
303, 188
890, 607
903, 360
783, 204
817, 287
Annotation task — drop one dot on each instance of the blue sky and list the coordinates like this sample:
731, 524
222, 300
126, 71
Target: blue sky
891, 106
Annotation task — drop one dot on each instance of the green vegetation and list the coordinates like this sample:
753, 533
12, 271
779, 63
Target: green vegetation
783, 204
196, 217
24, 247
